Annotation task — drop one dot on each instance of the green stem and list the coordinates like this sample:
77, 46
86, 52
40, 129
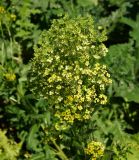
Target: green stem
1, 30
2, 45
72, 4
11, 42
61, 153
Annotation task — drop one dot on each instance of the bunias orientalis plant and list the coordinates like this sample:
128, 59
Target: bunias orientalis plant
67, 73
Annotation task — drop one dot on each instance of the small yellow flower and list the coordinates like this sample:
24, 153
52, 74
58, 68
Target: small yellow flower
46, 72
110, 81
87, 111
77, 116
108, 75
96, 100
103, 99
70, 98
80, 107
57, 127
13, 17
86, 116
51, 93
100, 27
2, 10
80, 82
60, 99
58, 87
87, 63
82, 99
61, 136
57, 114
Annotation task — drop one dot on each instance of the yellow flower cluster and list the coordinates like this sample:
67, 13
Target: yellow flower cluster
2, 10
6, 16
95, 150
10, 76
66, 71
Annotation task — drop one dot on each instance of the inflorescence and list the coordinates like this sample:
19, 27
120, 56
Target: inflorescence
66, 70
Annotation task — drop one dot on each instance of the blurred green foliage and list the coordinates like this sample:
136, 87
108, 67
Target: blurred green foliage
24, 117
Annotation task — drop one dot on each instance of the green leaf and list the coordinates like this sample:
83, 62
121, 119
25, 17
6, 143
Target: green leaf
132, 95
32, 141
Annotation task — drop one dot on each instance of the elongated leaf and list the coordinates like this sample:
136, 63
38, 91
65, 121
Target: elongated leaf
32, 141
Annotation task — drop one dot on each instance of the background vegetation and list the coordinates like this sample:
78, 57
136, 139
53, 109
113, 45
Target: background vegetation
23, 116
